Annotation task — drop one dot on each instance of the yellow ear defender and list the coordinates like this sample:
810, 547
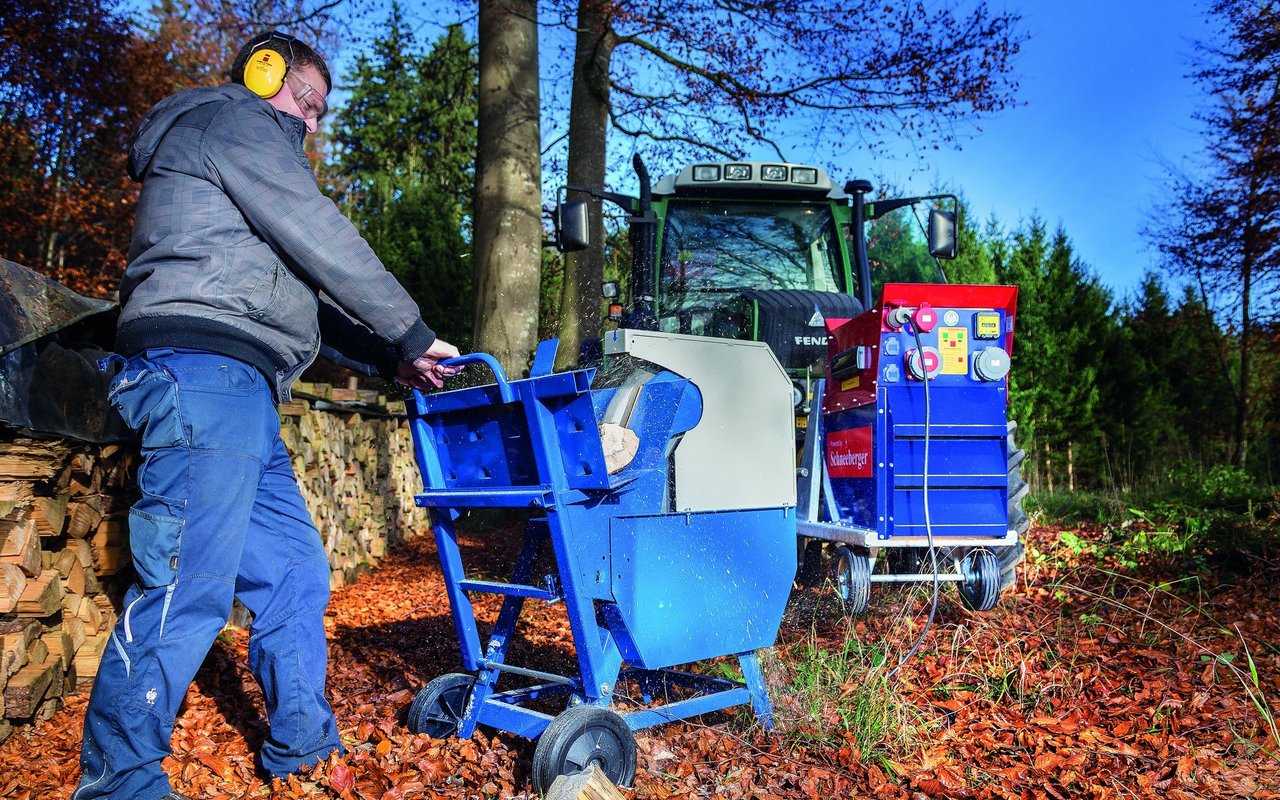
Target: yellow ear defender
265, 71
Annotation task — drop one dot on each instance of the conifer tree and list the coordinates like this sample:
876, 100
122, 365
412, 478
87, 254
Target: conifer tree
1222, 226
405, 161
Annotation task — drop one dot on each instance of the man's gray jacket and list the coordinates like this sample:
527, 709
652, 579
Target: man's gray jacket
236, 251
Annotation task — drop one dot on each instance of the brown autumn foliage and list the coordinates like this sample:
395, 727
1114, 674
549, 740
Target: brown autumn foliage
74, 80
76, 76
1087, 681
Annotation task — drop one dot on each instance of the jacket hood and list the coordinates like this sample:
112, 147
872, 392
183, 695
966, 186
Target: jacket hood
153, 127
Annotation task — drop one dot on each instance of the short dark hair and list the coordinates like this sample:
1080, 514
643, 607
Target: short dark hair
295, 51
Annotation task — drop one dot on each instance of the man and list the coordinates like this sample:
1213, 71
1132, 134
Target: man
239, 268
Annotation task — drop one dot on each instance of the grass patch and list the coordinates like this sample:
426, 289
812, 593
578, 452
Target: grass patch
837, 693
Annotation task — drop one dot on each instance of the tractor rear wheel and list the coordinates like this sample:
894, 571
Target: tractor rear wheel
907, 560
1010, 557
810, 572
853, 579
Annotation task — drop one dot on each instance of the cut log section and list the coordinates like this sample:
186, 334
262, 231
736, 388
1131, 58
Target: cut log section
29, 686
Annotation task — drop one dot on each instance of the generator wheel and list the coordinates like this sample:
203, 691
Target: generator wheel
980, 588
1011, 557
853, 579
438, 707
579, 738
810, 572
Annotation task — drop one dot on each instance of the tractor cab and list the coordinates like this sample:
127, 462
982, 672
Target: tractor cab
763, 251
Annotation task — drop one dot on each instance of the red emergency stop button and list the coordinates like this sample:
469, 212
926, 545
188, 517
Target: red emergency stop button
925, 318
932, 363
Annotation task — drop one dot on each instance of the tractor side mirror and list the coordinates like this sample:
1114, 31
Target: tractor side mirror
942, 233
573, 231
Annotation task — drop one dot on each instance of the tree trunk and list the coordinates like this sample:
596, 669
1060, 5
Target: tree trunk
508, 221
1246, 325
588, 129
1071, 469
1048, 467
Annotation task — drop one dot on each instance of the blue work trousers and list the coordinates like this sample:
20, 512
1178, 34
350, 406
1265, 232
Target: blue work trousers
220, 517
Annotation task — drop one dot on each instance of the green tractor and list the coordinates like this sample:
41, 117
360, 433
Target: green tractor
761, 251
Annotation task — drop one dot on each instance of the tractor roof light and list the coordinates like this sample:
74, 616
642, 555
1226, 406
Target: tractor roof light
773, 172
804, 175
706, 172
737, 172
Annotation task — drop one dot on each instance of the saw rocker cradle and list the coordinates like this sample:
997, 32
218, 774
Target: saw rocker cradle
658, 565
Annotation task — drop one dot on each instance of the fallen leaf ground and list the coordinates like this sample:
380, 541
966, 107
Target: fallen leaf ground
1088, 681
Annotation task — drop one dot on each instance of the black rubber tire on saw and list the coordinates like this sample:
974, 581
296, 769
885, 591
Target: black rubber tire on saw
810, 572
580, 737
1010, 557
853, 579
980, 588
438, 707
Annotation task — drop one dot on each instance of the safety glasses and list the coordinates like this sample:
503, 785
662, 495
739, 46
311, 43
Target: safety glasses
310, 100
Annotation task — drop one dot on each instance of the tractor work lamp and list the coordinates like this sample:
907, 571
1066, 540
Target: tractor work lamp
737, 172
706, 172
805, 175
773, 172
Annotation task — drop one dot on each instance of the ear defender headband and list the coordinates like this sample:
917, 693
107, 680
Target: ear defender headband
265, 71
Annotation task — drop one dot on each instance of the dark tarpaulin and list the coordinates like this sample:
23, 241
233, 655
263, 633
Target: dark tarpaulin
50, 340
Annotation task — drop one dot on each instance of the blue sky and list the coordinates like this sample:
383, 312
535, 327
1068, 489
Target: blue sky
1104, 98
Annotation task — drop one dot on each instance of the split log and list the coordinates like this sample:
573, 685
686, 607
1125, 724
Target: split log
42, 597
84, 514
14, 535
75, 632
57, 644
12, 583
21, 546
31, 459
14, 495
29, 686
106, 612
18, 634
110, 546
89, 654
91, 615
589, 784
67, 563
50, 514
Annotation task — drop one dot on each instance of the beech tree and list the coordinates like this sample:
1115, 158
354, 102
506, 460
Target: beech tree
721, 78
508, 219
75, 78
201, 37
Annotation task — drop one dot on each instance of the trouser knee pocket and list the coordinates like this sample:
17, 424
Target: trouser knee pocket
155, 541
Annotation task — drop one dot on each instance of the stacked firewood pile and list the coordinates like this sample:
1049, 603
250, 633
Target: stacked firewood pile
63, 539
64, 550
354, 462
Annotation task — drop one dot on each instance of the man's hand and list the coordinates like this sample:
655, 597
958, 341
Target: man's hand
426, 371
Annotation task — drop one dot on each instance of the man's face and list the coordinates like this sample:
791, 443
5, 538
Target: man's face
303, 96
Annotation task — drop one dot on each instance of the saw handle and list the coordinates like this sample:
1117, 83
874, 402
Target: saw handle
499, 375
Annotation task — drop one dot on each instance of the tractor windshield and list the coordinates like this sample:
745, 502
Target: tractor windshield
714, 250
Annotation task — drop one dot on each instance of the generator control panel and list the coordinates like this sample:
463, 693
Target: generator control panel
964, 346
947, 334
